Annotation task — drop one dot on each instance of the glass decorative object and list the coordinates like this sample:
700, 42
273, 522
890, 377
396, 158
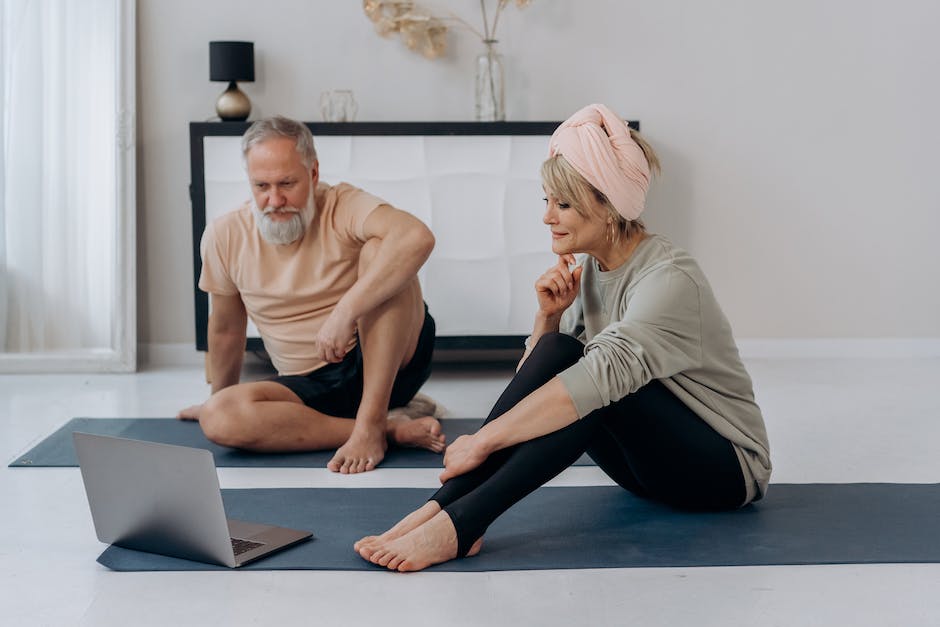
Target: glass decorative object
338, 105
425, 30
490, 103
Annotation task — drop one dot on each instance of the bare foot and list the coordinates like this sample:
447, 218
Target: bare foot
421, 405
431, 543
190, 413
361, 453
366, 546
419, 433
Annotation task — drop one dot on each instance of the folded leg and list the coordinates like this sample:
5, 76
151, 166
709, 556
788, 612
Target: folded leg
475, 499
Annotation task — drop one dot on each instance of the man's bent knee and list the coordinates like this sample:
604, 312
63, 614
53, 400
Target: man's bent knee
226, 423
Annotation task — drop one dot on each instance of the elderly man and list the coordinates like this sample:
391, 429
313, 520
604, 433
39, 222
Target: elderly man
328, 274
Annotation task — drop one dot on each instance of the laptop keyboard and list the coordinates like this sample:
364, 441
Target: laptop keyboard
240, 546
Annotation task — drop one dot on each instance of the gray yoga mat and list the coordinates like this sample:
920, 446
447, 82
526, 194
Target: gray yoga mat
604, 527
56, 449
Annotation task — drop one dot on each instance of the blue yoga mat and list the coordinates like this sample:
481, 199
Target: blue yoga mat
603, 527
56, 449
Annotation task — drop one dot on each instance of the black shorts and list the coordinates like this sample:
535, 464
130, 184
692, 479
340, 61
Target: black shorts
336, 389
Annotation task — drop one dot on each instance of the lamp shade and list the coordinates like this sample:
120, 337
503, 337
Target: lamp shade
231, 61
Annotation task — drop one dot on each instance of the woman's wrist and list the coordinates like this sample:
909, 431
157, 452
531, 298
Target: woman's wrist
544, 323
548, 321
484, 442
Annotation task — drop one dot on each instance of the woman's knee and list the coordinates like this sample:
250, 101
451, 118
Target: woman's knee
555, 351
558, 343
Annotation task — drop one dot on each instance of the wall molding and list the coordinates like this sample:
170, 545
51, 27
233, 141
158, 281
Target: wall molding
166, 355
839, 348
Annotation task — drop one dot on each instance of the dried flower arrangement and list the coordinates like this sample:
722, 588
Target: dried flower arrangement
424, 31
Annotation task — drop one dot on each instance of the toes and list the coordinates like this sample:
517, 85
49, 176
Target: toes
357, 466
381, 557
351, 465
404, 566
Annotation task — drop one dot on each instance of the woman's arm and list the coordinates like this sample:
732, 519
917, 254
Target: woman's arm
546, 410
555, 290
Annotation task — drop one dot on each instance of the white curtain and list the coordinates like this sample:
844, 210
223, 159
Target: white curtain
58, 233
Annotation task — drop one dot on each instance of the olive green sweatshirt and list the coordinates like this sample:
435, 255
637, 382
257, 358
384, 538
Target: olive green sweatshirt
655, 317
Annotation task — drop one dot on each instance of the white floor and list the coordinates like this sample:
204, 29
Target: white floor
829, 421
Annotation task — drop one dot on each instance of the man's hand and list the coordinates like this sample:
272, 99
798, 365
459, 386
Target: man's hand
558, 287
190, 413
462, 456
335, 336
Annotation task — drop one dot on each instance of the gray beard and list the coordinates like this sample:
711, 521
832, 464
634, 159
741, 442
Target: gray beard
284, 232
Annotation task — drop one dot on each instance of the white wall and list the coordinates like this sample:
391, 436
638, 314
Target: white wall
798, 139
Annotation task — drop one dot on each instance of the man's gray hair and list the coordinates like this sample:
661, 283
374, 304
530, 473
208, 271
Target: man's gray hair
279, 126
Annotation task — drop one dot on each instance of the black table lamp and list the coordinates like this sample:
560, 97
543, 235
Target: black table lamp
232, 61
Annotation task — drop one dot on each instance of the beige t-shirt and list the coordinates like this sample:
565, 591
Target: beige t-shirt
289, 291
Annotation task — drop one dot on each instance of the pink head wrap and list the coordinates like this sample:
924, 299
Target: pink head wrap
597, 143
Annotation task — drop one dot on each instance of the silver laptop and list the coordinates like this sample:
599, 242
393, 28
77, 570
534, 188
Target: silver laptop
165, 499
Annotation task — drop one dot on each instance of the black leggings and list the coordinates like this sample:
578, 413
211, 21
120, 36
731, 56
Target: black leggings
649, 442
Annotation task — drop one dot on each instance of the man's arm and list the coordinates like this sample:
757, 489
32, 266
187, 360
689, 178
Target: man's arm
227, 331
404, 244
226, 334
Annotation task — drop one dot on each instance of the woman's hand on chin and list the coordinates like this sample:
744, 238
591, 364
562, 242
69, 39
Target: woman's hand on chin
557, 288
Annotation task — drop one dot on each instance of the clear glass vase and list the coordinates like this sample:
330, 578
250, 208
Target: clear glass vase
490, 105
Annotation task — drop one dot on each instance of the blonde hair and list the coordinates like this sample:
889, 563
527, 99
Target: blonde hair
563, 181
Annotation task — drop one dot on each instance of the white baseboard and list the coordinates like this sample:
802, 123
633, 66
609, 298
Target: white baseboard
154, 356
163, 355
839, 348
175, 355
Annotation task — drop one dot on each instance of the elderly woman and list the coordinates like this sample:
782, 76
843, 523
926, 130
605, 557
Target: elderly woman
630, 359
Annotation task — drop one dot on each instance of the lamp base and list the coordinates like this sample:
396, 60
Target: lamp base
233, 105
